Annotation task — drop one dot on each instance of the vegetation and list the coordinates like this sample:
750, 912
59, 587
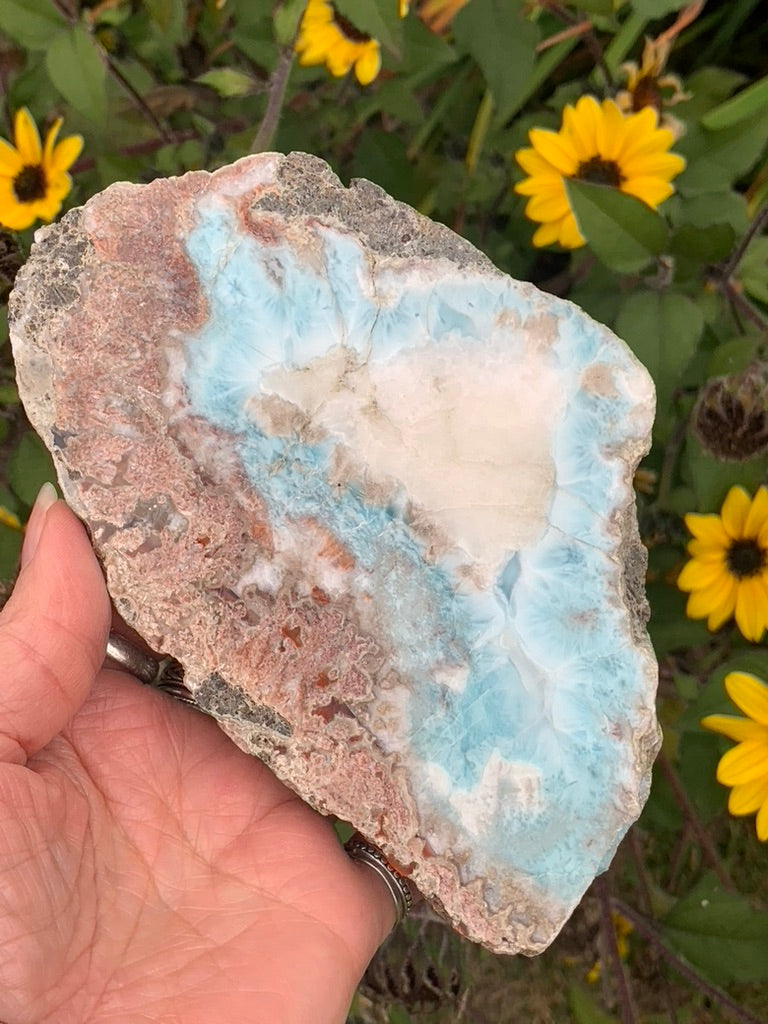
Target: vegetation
648, 207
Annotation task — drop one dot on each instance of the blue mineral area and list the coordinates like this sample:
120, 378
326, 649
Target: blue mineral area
552, 680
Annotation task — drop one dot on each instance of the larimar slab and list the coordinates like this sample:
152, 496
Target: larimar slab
377, 498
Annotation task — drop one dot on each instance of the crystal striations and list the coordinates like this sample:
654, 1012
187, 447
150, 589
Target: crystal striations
377, 498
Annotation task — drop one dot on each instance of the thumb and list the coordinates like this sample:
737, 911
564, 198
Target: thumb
53, 631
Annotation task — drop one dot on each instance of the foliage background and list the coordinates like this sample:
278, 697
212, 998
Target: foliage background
165, 86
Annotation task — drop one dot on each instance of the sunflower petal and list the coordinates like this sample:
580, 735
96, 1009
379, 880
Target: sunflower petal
761, 823
534, 163
547, 206
10, 160
65, 153
368, 65
556, 149
749, 694
752, 609
570, 236
697, 574
548, 185
757, 517
14, 216
724, 610
745, 763
547, 234
702, 603
651, 190
656, 165
611, 131
749, 797
708, 528
734, 512
26, 137
579, 123
736, 728
704, 552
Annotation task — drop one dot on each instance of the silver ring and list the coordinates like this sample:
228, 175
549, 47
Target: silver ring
398, 888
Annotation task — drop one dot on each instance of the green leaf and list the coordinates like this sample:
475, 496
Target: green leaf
752, 100
663, 330
622, 231
32, 23
733, 356
503, 42
29, 467
704, 245
707, 921
9, 395
718, 158
657, 8
584, 1010
227, 82
753, 271
708, 208
286, 21
10, 548
699, 753
381, 157
169, 20
604, 7
712, 698
76, 68
379, 21
711, 479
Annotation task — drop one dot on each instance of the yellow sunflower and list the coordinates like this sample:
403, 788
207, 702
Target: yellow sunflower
745, 767
33, 177
598, 143
728, 571
325, 37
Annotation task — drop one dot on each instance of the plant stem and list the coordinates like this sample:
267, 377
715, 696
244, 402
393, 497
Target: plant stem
648, 930
759, 221
479, 131
702, 836
628, 1015
275, 98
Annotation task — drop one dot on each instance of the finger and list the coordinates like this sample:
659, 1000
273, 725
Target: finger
53, 632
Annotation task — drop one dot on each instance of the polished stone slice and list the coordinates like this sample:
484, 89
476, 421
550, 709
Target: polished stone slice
377, 498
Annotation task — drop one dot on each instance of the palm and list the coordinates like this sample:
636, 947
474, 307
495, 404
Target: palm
164, 875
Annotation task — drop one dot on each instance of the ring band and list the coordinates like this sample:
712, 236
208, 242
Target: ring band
398, 888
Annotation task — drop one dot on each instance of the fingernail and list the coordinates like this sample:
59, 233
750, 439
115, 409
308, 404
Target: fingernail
46, 497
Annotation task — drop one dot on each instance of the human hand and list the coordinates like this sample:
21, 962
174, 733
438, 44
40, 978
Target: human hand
150, 870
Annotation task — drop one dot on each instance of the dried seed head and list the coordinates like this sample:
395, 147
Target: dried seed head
730, 418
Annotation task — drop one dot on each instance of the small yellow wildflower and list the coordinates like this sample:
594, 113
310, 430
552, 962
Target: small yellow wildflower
728, 571
622, 930
598, 143
33, 177
325, 37
745, 767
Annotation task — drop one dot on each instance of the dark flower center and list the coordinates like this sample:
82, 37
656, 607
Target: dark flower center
646, 94
30, 184
745, 558
353, 34
600, 172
